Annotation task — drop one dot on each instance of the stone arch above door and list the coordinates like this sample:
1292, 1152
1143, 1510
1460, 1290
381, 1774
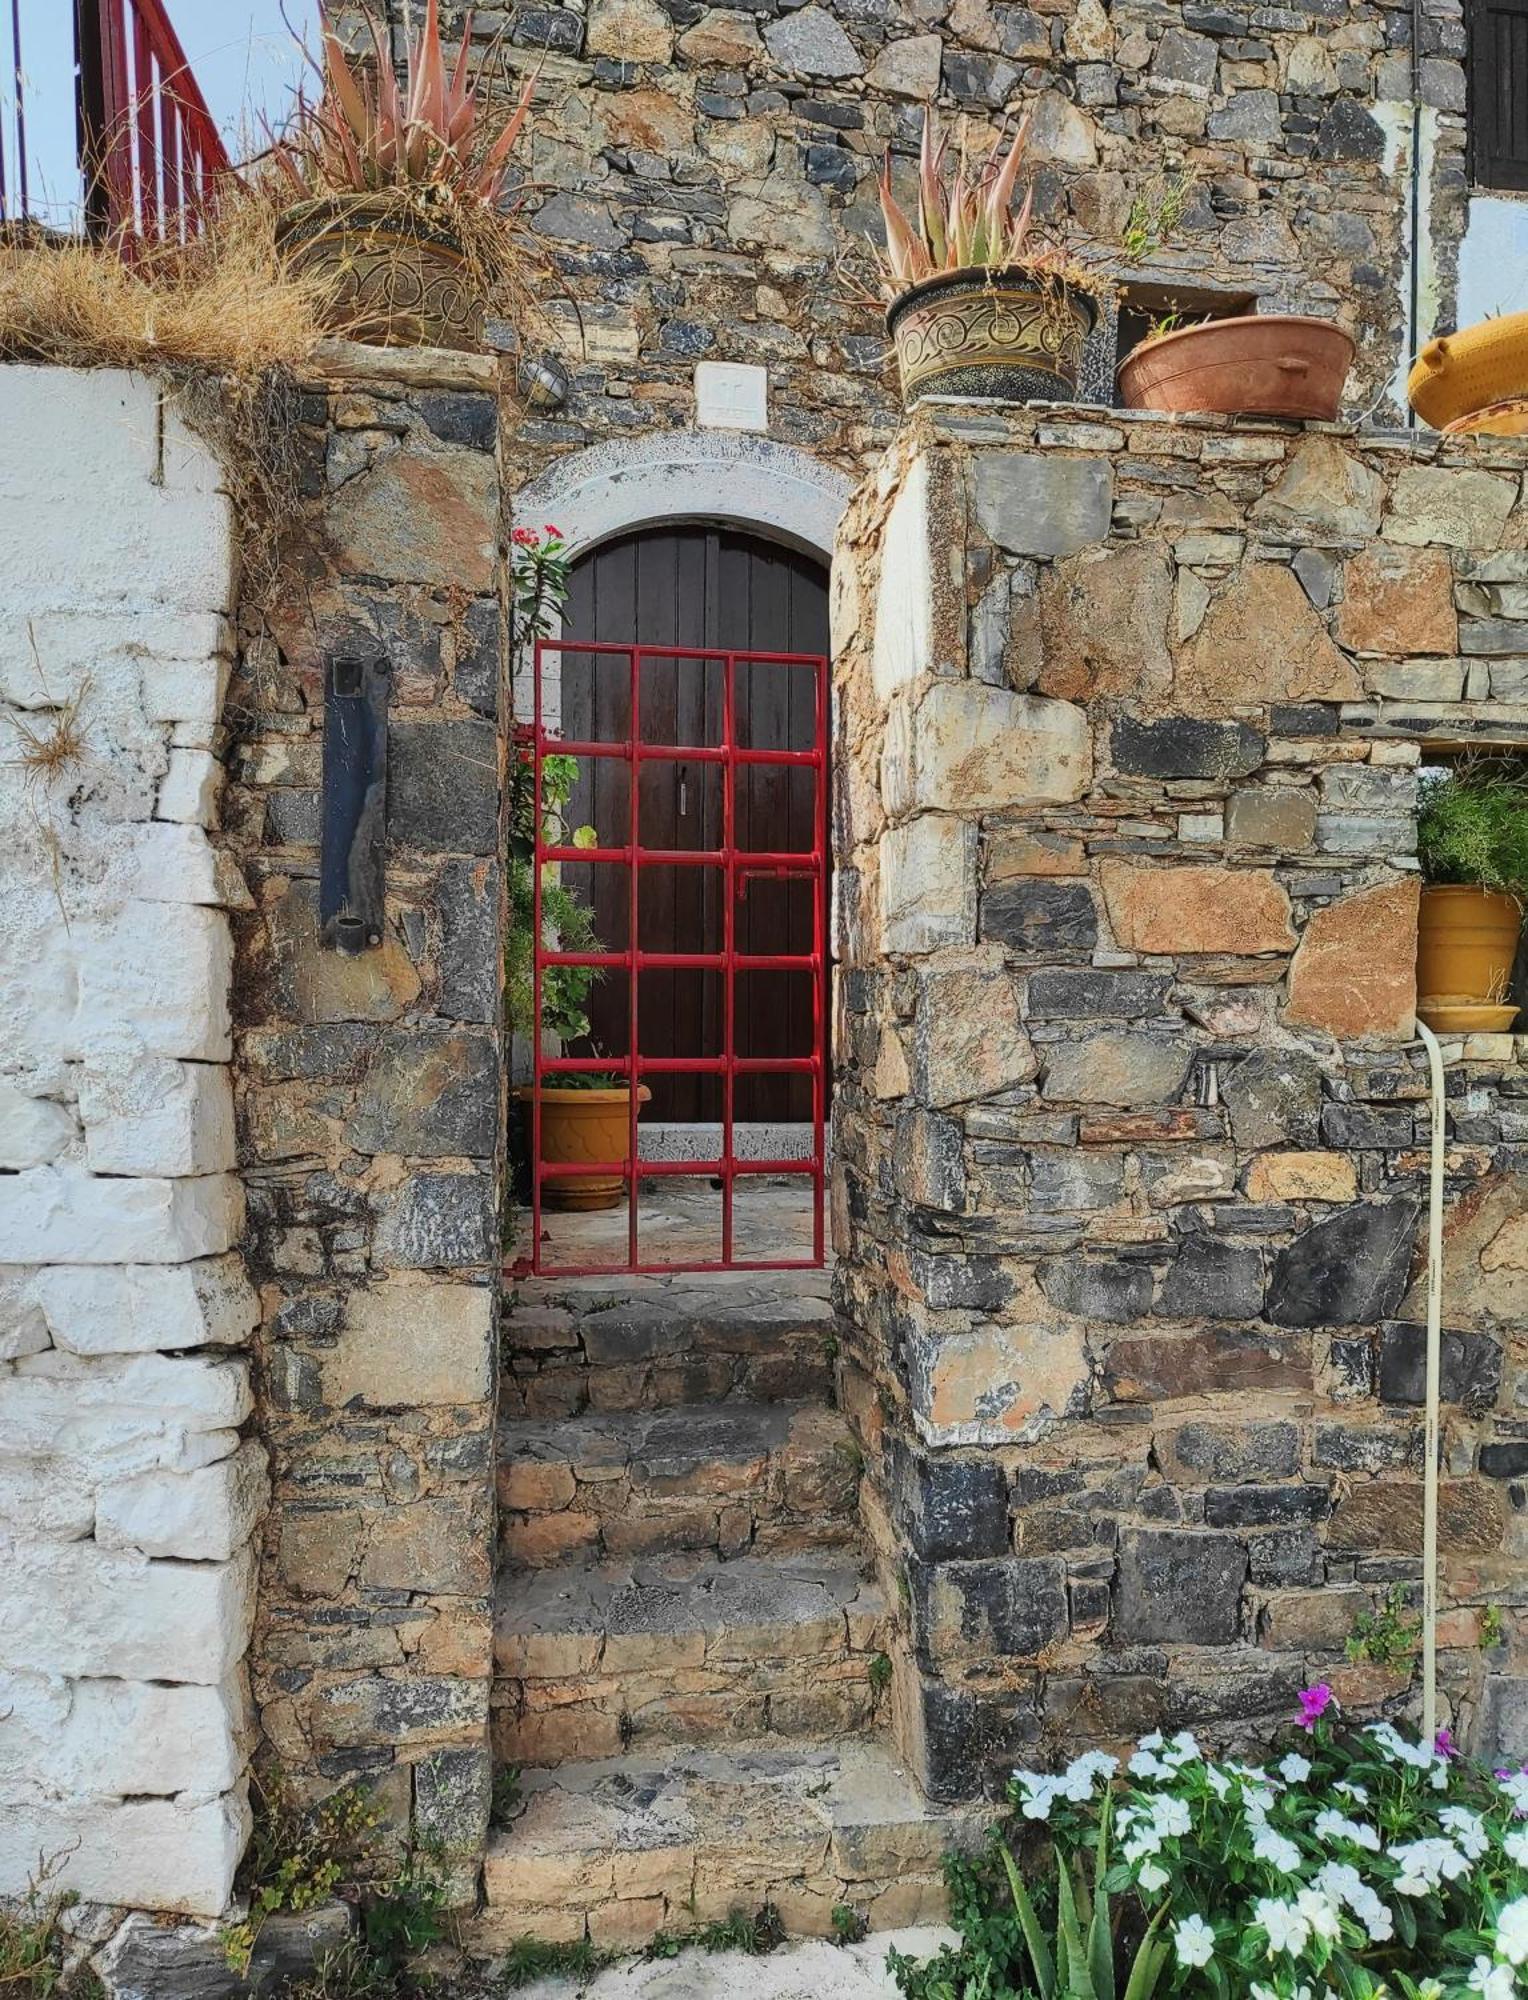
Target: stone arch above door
723, 476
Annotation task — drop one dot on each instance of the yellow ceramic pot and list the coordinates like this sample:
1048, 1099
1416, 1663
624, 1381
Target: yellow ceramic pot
1469, 370
593, 1125
1466, 943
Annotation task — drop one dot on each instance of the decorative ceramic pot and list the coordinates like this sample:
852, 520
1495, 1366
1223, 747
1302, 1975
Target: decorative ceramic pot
397, 283
1508, 419
1470, 370
998, 336
1466, 944
585, 1125
1257, 365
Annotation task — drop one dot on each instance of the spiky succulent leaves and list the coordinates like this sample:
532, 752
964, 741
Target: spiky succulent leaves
931, 191
1070, 1949
1100, 1924
906, 254
1040, 1956
489, 185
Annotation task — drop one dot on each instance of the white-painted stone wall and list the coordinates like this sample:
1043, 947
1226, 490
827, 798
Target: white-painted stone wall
128, 1490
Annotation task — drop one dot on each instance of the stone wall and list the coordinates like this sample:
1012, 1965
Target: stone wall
1131, 1139
370, 1100
129, 1486
697, 172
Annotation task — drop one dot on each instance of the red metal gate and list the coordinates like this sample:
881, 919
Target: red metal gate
736, 867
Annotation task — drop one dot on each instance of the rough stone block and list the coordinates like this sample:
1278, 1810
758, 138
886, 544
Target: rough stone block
1182, 746
443, 786
950, 1507
1210, 1280
1458, 509
84, 1739
1470, 1366
202, 1516
928, 884
74, 1609
968, 1039
65, 1215
410, 1341
136, 1309
903, 642
438, 1222
1006, 1609
160, 971
1040, 917
149, 1115
420, 517
156, 1854
1042, 506
1128, 1067
1349, 1269
1196, 909
1178, 1586
34, 1131
967, 747
1272, 816
1274, 1096
1354, 974
431, 1093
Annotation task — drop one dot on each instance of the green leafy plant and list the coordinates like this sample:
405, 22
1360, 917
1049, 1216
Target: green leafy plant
531, 1959
1472, 827
505, 1796
849, 1924
302, 1855
34, 1962
879, 1674
1155, 213
566, 924
755, 1934
1387, 1636
1491, 1630
1080, 1963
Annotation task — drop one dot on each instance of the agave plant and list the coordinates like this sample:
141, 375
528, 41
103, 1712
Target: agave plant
429, 128
965, 215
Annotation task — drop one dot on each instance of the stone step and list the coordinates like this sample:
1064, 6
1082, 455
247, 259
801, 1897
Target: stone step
682, 1649
616, 1851
736, 1478
644, 1343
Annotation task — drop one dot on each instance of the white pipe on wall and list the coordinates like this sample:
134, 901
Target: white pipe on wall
1431, 1425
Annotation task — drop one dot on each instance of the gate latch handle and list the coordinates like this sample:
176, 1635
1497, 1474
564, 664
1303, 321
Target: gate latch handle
746, 875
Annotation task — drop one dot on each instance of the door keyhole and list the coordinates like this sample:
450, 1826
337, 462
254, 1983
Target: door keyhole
684, 794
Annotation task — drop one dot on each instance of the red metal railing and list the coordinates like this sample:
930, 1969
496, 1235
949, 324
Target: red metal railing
148, 151
736, 865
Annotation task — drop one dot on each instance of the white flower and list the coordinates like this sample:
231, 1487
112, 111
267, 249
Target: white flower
1039, 1794
1469, 1835
1343, 1884
1077, 1781
1287, 1926
1515, 1846
1151, 1877
1276, 1850
1357, 1793
1512, 1931
1144, 1765
1171, 1817
1494, 1982
1194, 1941
1182, 1750
1295, 1769
1261, 1992
1515, 1786
1426, 1863
1336, 1826
1217, 1780
1320, 1913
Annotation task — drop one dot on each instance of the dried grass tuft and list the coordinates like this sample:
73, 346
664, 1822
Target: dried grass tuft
225, 304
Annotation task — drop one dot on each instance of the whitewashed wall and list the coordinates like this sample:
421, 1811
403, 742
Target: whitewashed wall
128, 1492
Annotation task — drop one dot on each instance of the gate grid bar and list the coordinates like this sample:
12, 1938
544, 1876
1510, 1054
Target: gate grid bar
736, 865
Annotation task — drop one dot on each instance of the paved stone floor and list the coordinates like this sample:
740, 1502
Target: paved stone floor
679, 1219
795, 1972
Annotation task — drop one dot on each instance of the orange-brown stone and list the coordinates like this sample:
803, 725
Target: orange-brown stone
1398, 600
1355, 974
1261, 641
1196, 910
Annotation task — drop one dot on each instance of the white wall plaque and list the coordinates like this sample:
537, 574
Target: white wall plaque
731, 396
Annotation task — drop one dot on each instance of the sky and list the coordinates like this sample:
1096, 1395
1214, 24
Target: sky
241, 52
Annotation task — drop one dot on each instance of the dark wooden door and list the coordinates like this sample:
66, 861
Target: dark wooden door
713, 588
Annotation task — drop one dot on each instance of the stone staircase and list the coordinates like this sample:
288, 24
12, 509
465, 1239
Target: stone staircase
691, 1656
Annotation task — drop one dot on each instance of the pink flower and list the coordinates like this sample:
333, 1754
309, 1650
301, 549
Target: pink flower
548, 529
525, 538
1444, 1744
1314, 1703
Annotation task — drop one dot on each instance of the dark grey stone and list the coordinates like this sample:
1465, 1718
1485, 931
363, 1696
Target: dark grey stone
467, 900
1178, 1585
1011, 1608
1265, 1506
1505, 1459
461, 418
1070, 993
1367, 1448
439, 1222
547, 28
978, 79
453, 1793
950, 1508
971, 1739
1285, 1557
293, 817
336, 1050
1213, 1280
930, 1159
573, 218
1274, 1097
1098, 1288
1181, 746
476, 674
1350, 1269
1349, 132
145, 1961
975, 1283
1470, 1366
1031, 914
1185, 58
685, 336
431, 1093
1501, 1728
443, 787
1239, 1451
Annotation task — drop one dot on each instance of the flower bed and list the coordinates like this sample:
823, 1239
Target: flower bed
1352, 1863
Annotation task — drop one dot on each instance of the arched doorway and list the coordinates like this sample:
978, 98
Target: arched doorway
715, 588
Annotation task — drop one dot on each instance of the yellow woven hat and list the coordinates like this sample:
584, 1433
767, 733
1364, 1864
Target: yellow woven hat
1462, 372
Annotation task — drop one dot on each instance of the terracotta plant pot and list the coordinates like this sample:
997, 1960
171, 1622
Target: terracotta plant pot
1466, 943
998, 336
1470, 370
1262, 365
585, 1125
1449, 1015
396, 284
